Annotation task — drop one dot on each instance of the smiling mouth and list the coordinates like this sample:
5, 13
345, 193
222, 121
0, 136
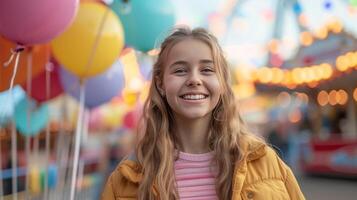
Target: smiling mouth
194, 96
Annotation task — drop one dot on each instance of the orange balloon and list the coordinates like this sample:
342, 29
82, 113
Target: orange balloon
40, 56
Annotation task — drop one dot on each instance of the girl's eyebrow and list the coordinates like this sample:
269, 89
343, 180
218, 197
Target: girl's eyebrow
179, 62
206, 61
182, 62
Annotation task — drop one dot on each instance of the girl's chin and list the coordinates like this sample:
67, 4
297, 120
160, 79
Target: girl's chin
194, 115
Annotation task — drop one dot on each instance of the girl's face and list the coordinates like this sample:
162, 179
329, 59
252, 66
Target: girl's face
190, 83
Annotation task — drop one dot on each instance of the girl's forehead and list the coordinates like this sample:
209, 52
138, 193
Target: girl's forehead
189, 49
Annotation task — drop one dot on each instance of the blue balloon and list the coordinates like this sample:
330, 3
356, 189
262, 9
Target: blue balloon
98, 89
7, 107
52, 176
145, 22
30, 119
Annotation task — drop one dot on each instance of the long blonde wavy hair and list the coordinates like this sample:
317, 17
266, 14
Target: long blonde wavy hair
155, 150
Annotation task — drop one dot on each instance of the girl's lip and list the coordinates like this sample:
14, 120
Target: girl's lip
206, 95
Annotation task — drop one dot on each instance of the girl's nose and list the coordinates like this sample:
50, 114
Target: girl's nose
194, 79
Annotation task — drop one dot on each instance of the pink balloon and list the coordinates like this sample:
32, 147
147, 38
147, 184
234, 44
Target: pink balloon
35, 21
95, 119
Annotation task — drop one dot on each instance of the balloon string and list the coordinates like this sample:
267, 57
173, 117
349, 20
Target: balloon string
96, 42
77, 140
81, 106
13, 128
48, 82
18, 49
27, 138
62, 147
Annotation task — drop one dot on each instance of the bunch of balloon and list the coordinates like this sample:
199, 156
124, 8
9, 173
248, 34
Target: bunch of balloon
27, 23
88, 48
145, 21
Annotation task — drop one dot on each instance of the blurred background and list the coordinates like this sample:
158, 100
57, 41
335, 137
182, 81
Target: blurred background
74, 76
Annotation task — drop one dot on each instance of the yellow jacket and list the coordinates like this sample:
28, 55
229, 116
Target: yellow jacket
261, 175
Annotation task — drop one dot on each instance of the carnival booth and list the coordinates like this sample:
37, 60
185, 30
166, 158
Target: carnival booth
324, 73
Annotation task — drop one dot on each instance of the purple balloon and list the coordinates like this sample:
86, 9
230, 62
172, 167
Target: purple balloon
98, 89
145, 66
35, 21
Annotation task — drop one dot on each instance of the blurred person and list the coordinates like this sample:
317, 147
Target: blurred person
278, 142
194, 143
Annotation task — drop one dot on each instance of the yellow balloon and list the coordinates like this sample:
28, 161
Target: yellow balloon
92, 43
113, 115
35, 184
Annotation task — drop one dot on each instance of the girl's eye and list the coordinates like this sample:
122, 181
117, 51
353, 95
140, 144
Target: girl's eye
179, 71
208, 70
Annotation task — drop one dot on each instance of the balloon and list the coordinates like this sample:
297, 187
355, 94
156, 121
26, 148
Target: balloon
99, 89
145, 21
35, 180
95, 119
38, 85
145, 65
74, 47
130, 120
34, 22
52, 177
32, 124
6, 108
113, 115
130, 97
40, 56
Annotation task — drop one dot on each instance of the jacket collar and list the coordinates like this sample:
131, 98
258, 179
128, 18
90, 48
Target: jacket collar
252, 149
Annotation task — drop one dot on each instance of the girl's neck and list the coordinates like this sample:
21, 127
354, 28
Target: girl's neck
192, 135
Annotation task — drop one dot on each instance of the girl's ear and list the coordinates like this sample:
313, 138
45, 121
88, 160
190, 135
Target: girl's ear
159, 85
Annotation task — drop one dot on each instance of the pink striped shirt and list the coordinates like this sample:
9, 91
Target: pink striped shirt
195, 176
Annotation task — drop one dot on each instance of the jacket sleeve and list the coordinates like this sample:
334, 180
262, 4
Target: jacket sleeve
108, 193
292, 185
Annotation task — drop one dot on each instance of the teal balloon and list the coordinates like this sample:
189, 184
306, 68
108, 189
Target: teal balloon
145, 22
6, 104
30, 124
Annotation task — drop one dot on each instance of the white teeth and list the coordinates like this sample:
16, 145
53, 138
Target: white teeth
194, 96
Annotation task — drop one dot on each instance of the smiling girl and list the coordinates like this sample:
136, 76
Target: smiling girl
195, 145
